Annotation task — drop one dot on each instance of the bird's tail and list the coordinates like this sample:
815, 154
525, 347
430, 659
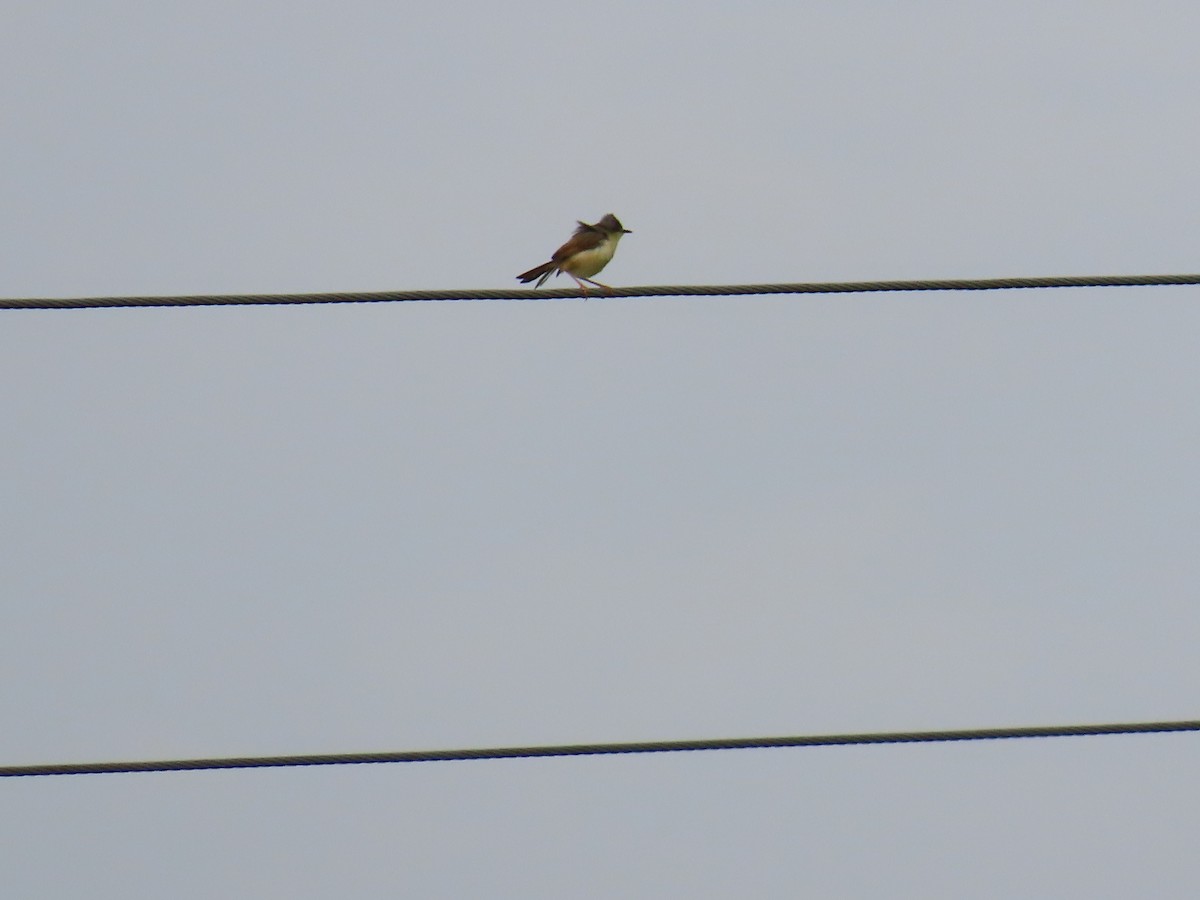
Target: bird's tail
541, 273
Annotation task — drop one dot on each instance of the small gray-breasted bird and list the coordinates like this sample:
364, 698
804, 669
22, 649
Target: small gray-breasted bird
584, 255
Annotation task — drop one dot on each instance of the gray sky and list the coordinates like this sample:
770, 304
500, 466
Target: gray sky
284, 530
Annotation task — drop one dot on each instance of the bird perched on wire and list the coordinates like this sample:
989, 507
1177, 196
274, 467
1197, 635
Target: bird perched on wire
584, 255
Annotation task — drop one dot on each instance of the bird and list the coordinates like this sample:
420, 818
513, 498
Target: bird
584, 255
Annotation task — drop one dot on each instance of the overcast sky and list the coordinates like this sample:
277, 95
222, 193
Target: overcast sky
284, 530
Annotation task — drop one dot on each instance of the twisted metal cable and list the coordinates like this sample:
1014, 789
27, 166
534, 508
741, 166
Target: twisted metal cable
710, 290
828, 740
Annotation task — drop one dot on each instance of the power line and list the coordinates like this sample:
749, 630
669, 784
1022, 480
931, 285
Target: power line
709, 290
827, 740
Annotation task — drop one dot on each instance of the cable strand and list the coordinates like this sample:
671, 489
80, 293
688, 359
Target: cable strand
761, 743
725, 290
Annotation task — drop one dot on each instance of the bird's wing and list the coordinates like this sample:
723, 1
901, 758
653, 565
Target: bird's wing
581, 240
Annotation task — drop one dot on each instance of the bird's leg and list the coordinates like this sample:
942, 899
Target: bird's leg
597, 284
